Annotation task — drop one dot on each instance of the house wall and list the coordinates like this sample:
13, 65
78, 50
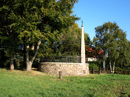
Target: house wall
91, 59
66, 68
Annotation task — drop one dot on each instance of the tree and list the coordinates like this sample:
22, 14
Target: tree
93, 52
67, 43
34, 20
115, 46
8, 34
112, 51
124, 51
101, 39
106, 36
70, 41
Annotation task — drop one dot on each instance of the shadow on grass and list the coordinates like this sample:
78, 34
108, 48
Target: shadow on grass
124, 94
20, 68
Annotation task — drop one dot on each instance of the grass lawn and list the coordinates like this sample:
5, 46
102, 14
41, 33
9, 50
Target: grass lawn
36, 84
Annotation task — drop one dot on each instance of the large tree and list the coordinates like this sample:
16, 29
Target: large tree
34, 20
108, 38
8, 33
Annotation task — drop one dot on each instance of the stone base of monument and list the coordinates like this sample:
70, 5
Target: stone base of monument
66, 68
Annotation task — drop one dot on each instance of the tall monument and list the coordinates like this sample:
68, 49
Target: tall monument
82, 46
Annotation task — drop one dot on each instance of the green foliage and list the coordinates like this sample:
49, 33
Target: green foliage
112, 40
125, 70
8, 30
93, 65
118, 70
42, 85
66, 43
25, 22
70, 41
124, 57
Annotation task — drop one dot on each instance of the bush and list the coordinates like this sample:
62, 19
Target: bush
119, 70
93, 65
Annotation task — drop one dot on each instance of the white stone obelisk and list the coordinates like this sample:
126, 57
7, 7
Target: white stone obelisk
82, 47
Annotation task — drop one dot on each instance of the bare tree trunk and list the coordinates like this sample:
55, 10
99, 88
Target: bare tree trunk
110, 66
30, 62
104, 63
27, 59
11, 62
24, 59
114, 67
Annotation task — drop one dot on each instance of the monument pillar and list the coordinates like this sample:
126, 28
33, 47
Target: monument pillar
82, 48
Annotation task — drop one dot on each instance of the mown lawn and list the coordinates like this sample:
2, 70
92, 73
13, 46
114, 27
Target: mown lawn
36, 84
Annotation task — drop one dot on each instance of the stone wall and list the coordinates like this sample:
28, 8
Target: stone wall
66, 68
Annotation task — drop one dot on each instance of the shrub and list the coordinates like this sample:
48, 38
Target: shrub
93, 65
118, 70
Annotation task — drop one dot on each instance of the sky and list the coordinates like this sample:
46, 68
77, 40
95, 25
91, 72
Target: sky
96, 12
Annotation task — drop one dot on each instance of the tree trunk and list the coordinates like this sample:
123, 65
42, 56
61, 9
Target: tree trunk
29, 66
110, 66
11, 62
28, 61
114, 67
24, 59
104, 63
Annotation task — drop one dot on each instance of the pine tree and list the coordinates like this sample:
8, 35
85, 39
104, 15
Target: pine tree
8, 32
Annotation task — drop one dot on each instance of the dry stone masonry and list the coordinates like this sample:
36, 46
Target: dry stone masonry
66, 68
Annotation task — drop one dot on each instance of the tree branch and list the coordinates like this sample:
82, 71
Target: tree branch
38, 45
27, 53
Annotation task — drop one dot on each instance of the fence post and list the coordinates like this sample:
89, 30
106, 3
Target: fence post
60, 74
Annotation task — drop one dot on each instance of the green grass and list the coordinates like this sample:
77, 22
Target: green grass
28, 84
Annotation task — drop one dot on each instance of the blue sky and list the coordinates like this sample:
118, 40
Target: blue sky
96, 12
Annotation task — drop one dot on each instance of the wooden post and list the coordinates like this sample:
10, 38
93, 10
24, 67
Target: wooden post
60, 74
